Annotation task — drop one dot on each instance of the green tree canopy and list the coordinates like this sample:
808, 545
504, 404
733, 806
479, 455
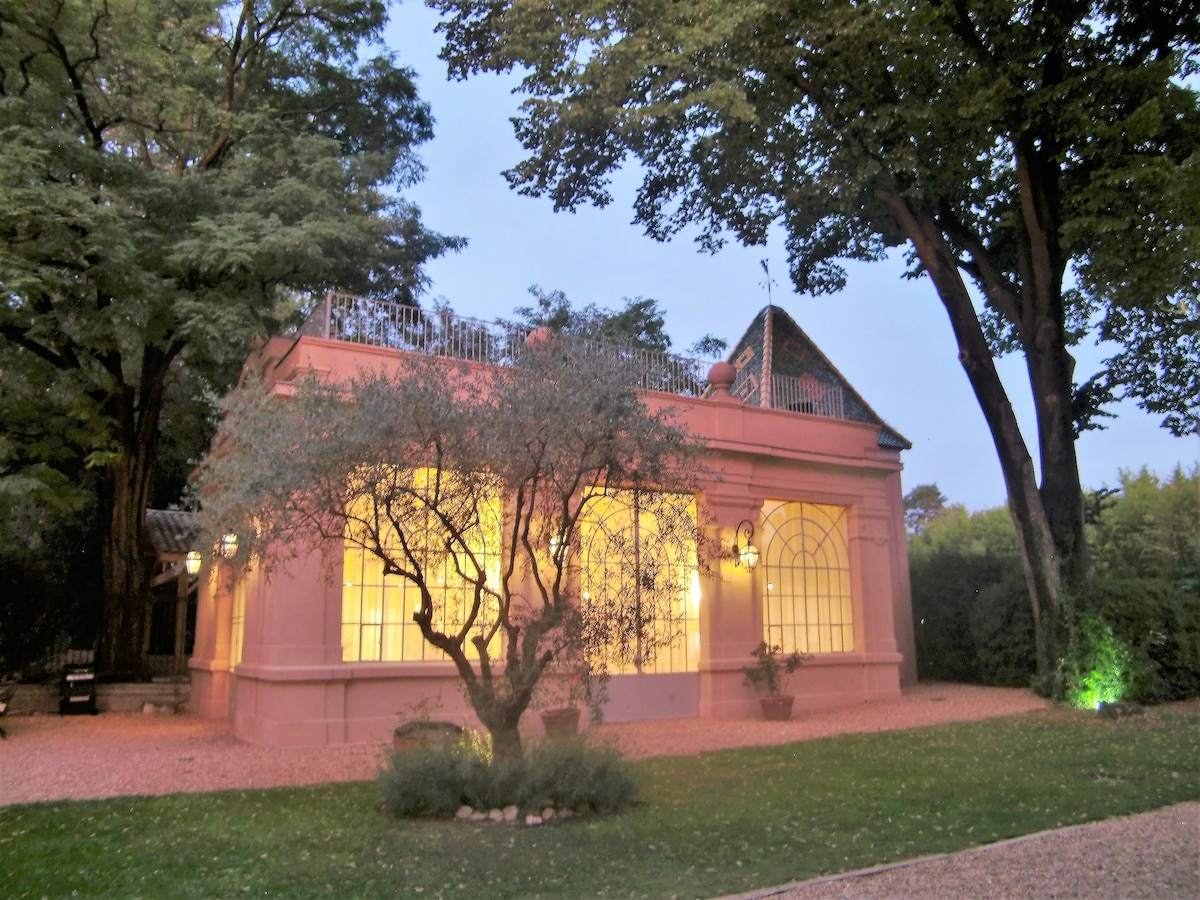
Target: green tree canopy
638, 323
1151, 528
1007, 146
170, 172
922, 505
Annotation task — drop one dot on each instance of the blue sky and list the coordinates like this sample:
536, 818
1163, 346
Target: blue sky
889, 337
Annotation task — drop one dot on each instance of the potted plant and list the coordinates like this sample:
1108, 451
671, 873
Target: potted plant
563, 691
769, 676
571, 682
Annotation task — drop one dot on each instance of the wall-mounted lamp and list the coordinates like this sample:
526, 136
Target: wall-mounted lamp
193, 562
229, 544
744, 552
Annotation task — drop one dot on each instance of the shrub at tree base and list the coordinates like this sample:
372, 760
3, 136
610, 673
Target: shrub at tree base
435, 781
1158, 622
1099, 667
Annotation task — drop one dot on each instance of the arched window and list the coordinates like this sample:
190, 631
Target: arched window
640, 582
807, 605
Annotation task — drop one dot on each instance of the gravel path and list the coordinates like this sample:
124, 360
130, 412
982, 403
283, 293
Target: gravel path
116, 754
1154, 855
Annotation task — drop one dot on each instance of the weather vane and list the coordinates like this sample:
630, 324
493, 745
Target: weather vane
766, 267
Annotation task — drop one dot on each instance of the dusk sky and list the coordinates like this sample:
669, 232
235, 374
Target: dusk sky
889, 337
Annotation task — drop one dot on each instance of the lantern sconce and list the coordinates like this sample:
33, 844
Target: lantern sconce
229, 546
744, 552
193, 562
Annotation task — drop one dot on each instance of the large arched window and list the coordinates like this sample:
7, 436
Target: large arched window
640, 582
807, 603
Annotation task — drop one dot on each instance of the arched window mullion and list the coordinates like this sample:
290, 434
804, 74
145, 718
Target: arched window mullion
807, 578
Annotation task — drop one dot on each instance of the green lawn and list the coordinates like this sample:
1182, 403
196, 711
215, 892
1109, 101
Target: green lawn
706, 825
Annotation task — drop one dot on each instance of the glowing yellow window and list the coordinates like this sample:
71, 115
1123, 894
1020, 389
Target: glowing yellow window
377, 610
807, 603
237, 623
639, 579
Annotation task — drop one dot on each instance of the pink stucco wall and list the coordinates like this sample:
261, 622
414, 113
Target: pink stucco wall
290, 686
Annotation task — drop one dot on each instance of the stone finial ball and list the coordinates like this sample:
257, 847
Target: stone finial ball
721, 376
540, 338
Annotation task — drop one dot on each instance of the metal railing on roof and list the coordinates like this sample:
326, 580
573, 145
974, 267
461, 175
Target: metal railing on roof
807, 395
378, 323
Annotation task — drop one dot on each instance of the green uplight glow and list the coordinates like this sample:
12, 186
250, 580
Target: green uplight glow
1104, 678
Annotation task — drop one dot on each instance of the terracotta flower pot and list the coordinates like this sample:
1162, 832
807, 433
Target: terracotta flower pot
561, 722
776, 708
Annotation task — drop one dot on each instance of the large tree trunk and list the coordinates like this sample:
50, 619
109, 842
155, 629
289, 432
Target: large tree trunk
502, 719
1035, 537
125, 496
1041, 323
119, 652
1061, 491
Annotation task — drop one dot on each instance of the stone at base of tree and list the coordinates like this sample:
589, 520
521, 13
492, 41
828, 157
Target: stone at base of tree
511, 814
1122, 710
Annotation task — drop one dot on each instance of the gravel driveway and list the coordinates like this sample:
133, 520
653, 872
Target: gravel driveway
115, 754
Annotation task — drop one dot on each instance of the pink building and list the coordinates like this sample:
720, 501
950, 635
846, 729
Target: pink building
314, 655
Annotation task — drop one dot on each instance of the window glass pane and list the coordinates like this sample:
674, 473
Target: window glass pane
806, 563
370, 599
237, 628
640, 578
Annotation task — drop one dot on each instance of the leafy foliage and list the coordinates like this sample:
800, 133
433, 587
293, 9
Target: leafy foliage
1159, 623
921, 505
771, 669
639, 323
972, 618
1148, 551
173, 173
48, 575
1144, 608
564, 774
1152, 529
1099, 667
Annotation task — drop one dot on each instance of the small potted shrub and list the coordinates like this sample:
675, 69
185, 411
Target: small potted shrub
768, 676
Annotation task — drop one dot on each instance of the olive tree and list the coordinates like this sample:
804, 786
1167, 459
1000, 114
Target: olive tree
481, 474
